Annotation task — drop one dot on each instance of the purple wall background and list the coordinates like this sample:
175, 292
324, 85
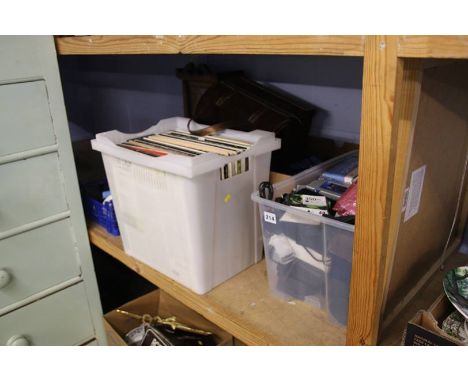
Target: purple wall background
131, 93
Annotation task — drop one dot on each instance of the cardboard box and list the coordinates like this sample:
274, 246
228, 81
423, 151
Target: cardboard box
424, 329
161, 304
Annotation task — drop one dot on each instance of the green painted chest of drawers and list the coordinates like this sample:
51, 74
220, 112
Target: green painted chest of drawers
48, 289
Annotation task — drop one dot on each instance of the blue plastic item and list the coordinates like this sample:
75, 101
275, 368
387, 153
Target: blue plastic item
344, 171
102, 213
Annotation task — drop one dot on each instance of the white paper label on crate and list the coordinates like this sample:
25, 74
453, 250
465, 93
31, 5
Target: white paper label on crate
269, 217
319, 201
414, 193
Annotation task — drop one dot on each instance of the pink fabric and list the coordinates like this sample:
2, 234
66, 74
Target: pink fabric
346, 205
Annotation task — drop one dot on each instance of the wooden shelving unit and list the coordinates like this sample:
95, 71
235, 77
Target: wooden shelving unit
393, 90
243, 305
306, 45
407, 46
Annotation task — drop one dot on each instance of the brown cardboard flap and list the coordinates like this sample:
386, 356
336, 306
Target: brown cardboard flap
159, 303
276, 177
113, 338
441, 308
424, 328
149, 303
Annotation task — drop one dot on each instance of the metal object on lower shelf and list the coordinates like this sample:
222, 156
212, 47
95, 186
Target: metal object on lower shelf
170, 322
148, 334
135, 336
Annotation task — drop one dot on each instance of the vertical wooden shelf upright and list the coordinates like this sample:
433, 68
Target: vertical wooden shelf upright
393, 71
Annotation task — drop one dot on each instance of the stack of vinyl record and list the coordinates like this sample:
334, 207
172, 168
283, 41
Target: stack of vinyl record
184, 143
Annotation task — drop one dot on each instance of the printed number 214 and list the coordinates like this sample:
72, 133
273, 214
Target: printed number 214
269, 217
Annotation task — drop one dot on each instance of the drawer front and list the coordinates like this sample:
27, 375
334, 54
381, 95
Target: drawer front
25, 121
32, 264
60, 319
30, 190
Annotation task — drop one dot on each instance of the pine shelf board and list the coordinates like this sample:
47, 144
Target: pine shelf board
243, 305
352, 45
306, 45
433, 46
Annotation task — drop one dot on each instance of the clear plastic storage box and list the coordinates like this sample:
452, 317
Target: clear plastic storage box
308, 257
177, 215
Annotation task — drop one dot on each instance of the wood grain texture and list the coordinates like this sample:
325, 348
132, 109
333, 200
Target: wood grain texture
433, 46
243, 305
117, 45
392, 334
307, 45
408, 46
378, 143
405, 111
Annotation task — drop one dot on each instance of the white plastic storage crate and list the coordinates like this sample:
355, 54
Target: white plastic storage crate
308, 257
175, 213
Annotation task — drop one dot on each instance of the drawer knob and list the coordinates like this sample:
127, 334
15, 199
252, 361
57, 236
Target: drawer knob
4, 278
18, 341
